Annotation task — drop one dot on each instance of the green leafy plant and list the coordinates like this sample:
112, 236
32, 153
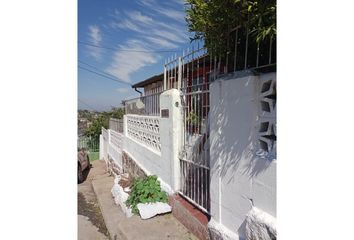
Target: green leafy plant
145, 190
193, 118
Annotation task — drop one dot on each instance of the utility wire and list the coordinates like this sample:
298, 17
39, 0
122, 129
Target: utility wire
125, 50
97, 69
105, 76
90, 65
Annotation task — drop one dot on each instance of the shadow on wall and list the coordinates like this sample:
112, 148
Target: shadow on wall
234, 136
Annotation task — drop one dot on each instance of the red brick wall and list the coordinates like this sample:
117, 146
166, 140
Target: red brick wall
190, 216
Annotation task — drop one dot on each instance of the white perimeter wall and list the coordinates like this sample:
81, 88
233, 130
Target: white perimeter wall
145, 157
111, 148
240, 177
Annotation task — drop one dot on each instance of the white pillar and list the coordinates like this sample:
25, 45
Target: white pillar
170, 130
125, 125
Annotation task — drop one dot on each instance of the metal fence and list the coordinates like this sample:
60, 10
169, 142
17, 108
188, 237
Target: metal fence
144, 105
116, 124
243, 52
90, 144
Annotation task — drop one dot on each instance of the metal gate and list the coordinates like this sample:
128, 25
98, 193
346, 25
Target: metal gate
191, 74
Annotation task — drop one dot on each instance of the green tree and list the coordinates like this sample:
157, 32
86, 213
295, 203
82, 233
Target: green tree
94, 130
214, 19
117, 113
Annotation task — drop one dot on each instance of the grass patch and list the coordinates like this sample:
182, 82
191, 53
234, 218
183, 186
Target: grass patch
94, 156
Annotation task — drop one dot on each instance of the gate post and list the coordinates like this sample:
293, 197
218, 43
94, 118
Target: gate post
170, 130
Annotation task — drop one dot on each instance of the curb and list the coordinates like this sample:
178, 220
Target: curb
105, 201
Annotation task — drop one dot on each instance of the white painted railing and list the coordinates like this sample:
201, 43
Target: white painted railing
116, 140
116, 124
115, 149
111, 148
145, 130
104, 133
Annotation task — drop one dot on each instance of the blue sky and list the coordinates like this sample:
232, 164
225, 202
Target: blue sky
127, 27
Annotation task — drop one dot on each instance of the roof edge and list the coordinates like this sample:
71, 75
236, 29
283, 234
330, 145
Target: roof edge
148, 81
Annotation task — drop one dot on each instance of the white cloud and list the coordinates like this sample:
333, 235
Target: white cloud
95, 34
126, 63
167, 12
153, 30
136, 15
161, 42
127, 24
176, 15
153, 34
181, 2
169, 35
95, 38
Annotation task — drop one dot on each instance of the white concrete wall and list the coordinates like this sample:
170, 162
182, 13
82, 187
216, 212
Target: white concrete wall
101, 154
164, 164
104, 145
144, 156
240, 177
115, 147
115, 155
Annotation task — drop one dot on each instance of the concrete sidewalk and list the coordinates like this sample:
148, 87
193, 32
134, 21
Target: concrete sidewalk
134, 228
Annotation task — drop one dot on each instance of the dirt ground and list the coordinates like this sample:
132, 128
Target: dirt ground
90, 220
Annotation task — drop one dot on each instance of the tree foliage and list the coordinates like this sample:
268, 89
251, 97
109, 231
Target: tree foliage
214, 19
117, 113
94, 130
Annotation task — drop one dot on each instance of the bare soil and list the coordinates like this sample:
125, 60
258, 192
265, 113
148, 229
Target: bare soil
93, 212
